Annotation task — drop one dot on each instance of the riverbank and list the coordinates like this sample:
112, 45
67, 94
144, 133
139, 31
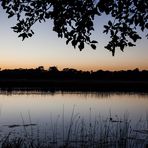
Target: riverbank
75, 85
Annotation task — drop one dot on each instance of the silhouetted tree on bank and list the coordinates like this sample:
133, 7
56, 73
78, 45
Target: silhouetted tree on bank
72, 74
74, 19
53, 69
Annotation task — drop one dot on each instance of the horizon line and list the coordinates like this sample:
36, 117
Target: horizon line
61, 69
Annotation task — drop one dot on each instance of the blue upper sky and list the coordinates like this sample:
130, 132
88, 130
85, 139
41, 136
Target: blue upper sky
46, 49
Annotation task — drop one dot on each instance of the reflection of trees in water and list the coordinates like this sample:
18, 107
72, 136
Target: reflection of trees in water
84, 94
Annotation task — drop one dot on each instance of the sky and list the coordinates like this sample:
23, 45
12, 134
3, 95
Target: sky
46, 49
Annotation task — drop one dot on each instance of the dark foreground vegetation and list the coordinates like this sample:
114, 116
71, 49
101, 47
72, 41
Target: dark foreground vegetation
74, 80
112, 132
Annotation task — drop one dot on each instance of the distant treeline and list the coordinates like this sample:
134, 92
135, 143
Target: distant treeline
72, 74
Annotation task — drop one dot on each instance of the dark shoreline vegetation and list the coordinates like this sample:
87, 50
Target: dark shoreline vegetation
74, 80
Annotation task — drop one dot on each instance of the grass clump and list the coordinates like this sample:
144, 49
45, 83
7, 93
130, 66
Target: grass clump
111, 132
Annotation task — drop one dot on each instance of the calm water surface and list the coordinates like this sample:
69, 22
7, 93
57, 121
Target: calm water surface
44, 106
53, 113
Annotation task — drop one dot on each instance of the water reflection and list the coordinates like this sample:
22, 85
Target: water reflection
50, 110
28, 91
42, 104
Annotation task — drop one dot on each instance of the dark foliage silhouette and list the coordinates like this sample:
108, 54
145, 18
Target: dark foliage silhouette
74, 20
72, 79
70, 73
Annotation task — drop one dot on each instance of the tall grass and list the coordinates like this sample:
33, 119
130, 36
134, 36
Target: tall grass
98, 132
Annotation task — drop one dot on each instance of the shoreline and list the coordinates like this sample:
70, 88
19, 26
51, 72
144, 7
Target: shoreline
75, 85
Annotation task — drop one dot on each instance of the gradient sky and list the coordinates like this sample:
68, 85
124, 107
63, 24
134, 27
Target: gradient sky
46, 49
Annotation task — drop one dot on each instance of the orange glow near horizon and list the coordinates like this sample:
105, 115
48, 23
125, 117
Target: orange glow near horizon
83, 68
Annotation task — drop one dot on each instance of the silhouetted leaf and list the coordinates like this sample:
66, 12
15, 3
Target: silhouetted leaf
131, 44
14, 28
68, 40
122, 47
29, 34
81, 46
106, 27
28, 14
32, 31
109, 23
93, 46
94, 42
23, 35
11, 15
74, 43
113, 52
112, 33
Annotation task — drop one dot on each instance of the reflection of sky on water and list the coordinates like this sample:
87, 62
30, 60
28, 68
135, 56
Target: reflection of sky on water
42, 107
49, 110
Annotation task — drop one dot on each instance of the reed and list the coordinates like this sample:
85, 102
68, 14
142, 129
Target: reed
98, 132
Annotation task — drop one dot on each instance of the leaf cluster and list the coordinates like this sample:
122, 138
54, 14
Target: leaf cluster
128, 16
74, 20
